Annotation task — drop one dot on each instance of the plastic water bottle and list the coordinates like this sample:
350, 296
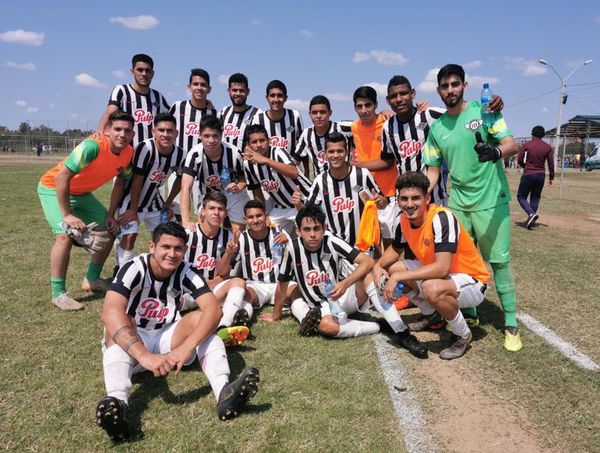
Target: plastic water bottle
164, 215
486, 96
398, 291
225, 178
277, 250
334, 306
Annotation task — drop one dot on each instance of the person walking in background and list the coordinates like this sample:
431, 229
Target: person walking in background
532, 157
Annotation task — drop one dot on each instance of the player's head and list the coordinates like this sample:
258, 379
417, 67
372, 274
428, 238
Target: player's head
168, 246
538, 131
211, 131
336, 150
255, 215
119, 130
199, 85
451, 84
412, 188
237, 88
320, 111
142, 68
310, 225
400, 95
142, 58
257, 138
365, 103
276, 95
164, 131
214, 209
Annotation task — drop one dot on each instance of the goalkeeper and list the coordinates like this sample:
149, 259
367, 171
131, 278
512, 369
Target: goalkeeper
69, 206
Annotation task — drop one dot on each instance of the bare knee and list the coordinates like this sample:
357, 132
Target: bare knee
328, 327
432, 291
237, 283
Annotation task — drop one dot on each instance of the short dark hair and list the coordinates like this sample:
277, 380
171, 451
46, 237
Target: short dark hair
538, 131
215, 196
365, 92
320, 99
277, 84
412, 179
170, 228
398, 80
143, 58
254, 204
253, 129
451, 70
164, 116
238, 77
335, 137
310, 211
120, 115
211, 122
197, 72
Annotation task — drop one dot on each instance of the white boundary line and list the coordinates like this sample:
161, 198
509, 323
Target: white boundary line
567, 349
406, 406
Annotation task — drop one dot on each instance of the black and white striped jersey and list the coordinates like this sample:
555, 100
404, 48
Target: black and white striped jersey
188, 122
340, 200
234, 124
153, 303
256, 257
404, 142
208, 172
156, 169
312, 146
143, 108
284, 133
204, 252
272, 183
311, 269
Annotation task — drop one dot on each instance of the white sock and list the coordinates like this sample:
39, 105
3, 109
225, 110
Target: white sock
459, 325
389, 312
299, 309
123, 255
353, 328
118, 368
233, 302
419, 301
247, 306
213, 361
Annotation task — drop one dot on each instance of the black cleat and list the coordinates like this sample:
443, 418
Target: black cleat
412, 344
241, 318
425, 322
235, 394
310, 323
111, 416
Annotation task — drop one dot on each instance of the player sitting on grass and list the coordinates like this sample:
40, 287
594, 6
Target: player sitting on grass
448, 271
145, 331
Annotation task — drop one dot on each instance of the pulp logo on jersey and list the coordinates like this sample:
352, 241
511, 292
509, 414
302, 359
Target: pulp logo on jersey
409, 147
157, 176
142, 116
213, 181
262, 265
231, 131
192, 129
205, 261
279, 142
342, 204
270, 185
473, 125
152, 309
316, 278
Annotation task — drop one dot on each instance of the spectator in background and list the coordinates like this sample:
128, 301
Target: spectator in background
532, 157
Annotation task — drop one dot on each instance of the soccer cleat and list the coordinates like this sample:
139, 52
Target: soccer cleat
66, 302
235, 394
111, 416
402, 302
98, 285
512, 339
310, 323
425, 322
412, 344
531, 220
241, 318
234, 335
456, 349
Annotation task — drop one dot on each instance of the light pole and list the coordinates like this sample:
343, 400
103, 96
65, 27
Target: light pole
562, 101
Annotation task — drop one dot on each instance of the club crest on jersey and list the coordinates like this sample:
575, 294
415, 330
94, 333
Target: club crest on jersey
152, 309
213, 181
174, 293
269, 185
409, 147
157, 176
279, 142
316, 278
231, 131
142, 116
342, 204
204, 261
473, 125
192, 129
262, 265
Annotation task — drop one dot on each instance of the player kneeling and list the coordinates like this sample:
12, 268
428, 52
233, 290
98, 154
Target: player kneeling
145, 331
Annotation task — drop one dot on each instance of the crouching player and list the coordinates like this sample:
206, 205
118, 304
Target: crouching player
145, 331
448, 272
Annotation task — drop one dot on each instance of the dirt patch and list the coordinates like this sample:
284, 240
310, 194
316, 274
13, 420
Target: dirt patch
8, 159
572, 222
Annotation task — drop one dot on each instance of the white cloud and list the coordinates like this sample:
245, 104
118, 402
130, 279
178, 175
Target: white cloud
381, 88
51, 106
223, 79
545, 109
477, 81
597, 19
526, 67
297, 104
142, 22
472, 64
74, 115
88, 81
29, 38
429, 84
382, 57
118, 74
23, 66
307, 34
21, 103
32, 109
338, 97
256, 22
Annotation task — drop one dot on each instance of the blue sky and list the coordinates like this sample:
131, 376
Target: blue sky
60, 59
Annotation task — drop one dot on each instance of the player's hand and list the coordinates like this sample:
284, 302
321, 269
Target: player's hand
112, 226
75, 222
379, 200
179, 356
232, 187
297, 197
496, 104
269, 317
422, 106
280, 238
128, 216
378, 273
190, 227
486, 152
158, 364
233, 244
390, 286
339, 290
387, 114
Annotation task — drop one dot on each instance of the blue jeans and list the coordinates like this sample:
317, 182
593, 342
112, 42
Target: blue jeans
530, 188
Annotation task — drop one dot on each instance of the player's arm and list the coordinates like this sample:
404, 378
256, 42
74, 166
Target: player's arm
486, 152
63, 192
280, 295
131, 215
185, 201
258, 195
223, 268
389, 257
508, 147
375, 164
433, 174
521, 156
116, 195
364, 263
104, 118
175, 189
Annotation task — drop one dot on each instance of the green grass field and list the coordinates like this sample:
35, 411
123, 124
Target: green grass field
315, 394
